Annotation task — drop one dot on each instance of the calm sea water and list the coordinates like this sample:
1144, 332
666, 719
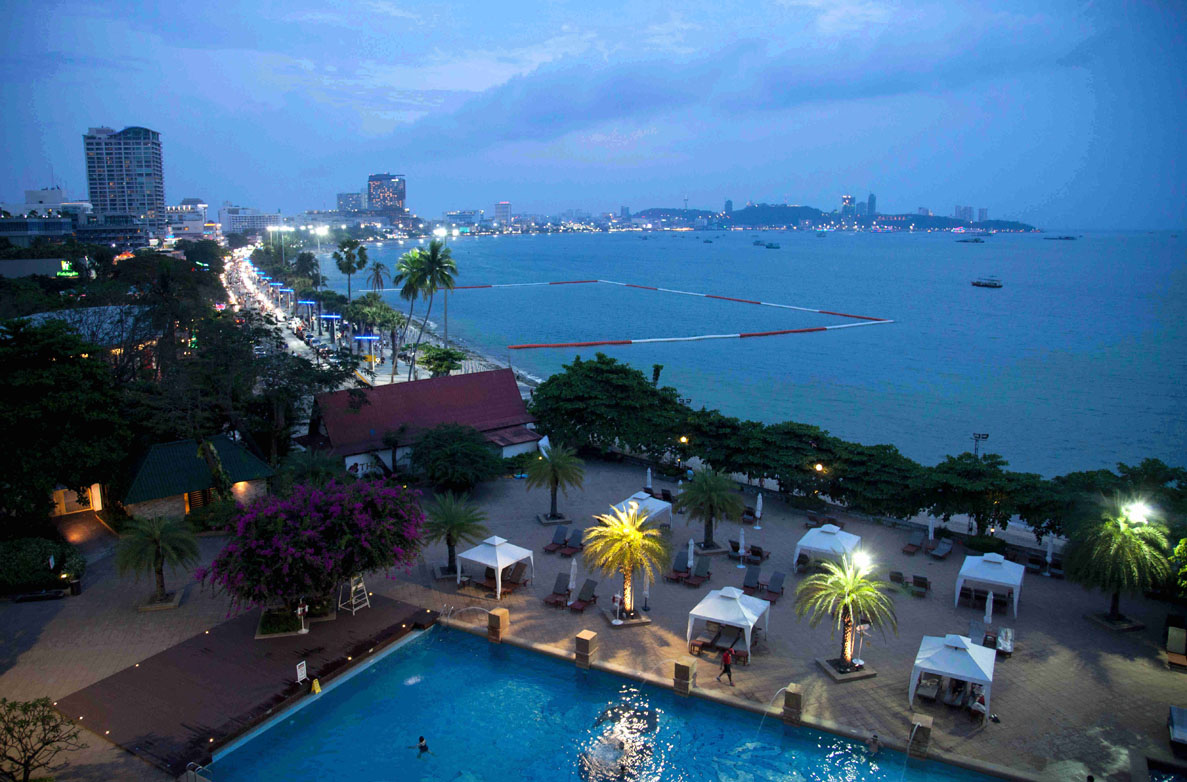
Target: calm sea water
493, 713
1079, 362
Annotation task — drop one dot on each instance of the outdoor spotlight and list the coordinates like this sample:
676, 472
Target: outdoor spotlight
1138, 512
819, 467
861, 559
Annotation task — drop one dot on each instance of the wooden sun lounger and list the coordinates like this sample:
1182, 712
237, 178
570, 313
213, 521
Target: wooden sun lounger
586, 597
573, 544
560, 592
943, 550
680, 568
914, 543
735, 552
774, 590
757, 555
751, 584
700, 575
559, 538
1176, 647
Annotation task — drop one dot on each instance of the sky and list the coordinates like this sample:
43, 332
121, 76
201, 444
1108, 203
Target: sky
1061, 114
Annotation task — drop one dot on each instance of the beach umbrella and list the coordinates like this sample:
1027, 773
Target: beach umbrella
1050, 549
988, 610
647, 484
758, 512
572, 579
646, 590
742, 546
691, 551
931, 528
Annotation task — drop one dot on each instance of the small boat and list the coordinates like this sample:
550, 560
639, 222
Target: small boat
987, 282
759, 243
708, 241
970, 241
1060, 238
772, 246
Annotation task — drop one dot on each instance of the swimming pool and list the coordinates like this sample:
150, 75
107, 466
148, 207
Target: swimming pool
494, 713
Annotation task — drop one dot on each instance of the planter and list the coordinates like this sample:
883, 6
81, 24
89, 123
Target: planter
552, 521
1122, 625
172, 600
833, 668
75, 587
291, 629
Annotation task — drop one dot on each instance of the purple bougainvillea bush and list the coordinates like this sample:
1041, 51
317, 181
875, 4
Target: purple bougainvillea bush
301, 547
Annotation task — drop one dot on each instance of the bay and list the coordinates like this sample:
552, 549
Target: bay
1078, 362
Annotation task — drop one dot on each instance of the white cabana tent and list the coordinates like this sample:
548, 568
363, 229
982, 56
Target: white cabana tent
657, 510
497, 553
829, 541
956, 657
994, 572
730, 606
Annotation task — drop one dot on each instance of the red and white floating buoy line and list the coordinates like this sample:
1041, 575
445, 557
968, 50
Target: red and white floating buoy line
862, 320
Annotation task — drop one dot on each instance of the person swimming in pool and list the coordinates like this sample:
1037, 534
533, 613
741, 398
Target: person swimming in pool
421, 746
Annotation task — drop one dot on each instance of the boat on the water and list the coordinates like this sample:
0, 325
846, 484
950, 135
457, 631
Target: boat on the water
1060, 238
708, 241
772, 246
974, 240
987, 282
759, 243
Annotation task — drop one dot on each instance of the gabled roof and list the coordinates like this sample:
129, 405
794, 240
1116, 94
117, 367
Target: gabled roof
169, 469
488, 401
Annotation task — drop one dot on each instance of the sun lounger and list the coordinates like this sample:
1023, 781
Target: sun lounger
813, 523
914, 543
679, 570
757, 555
966, 595
727, 638
700, 575
943, 550
559, 537
1176, 647
560, 592
750, 584
1176, 721
1001, 601
573, 544
976, 630
955, 693
518, 575
929, 688
920, 586
802, 563
667, 495
774, 590
1005, 641
896, 577
735, 552
979, 597
586, 597
1034, 564
748, 516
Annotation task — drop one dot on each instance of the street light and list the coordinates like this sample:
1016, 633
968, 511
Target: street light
978, 438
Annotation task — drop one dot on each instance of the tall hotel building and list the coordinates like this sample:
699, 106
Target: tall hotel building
385, 192
125, 179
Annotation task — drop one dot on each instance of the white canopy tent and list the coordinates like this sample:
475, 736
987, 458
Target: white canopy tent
497, 553
655, 509
829, 541
956, 657
995, 572
730, 606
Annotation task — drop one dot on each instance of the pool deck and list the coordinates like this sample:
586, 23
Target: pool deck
177, 706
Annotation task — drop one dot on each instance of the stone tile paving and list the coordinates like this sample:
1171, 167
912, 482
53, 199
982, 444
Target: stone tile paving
1073, 699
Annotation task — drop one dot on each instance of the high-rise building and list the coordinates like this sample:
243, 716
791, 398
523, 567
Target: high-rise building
923, 210
188, 219
847, 208
872, 206
245, 220
982, 215
503, 213
385, 192
350, 202
729, 206
125, 175
624, 213
861, 208
964, 213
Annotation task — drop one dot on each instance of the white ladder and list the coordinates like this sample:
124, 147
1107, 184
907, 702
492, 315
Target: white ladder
355, 598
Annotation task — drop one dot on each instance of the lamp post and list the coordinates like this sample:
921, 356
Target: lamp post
978, 438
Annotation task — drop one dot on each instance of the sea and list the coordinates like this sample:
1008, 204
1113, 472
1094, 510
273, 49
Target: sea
1078, 362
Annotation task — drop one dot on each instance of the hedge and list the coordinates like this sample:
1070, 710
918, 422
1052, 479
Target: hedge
24, 564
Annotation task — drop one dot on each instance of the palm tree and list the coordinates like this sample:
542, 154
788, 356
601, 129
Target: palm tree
1123, 552
622, 542
307, 266
843, 593
556, 468
710, 496
378, 276
351, 257
454, 519
435, 271
147, 545
407, 278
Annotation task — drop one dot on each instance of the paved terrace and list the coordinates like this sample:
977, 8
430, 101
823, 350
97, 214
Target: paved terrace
1073, 699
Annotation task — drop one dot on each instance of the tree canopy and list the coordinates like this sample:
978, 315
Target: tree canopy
455, 457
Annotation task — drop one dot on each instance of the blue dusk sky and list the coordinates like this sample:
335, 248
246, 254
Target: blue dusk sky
1063, 114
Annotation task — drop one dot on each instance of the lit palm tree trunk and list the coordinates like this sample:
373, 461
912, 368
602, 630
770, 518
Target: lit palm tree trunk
628, 592
846, 636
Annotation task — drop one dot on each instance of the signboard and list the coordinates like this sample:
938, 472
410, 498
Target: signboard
301, 676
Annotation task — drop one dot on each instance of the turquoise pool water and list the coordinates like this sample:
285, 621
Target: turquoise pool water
493, 713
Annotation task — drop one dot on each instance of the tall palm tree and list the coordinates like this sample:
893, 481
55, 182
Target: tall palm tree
378, 276
622, 542
454, 519
435, 272
308, 266
351, 257
710, 496
558, 468
147, 545
1122, 552
407, 279
843, 593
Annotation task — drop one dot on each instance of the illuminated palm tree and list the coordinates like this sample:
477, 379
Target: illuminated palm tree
709, 496
843, 593
622, 542
434, 272
558, 468
454, 519
1122, 552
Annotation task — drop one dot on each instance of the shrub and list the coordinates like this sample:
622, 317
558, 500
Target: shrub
24, 564
985, 544
279, 620
215, 517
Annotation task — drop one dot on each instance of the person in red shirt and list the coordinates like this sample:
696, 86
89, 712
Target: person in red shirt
727, 659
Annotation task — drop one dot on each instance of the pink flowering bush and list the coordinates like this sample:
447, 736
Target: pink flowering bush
285, 549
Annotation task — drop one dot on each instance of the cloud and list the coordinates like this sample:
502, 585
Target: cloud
385, 8
844, 16
670, 35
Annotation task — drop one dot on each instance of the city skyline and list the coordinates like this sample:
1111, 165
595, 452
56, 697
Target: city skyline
1029, 112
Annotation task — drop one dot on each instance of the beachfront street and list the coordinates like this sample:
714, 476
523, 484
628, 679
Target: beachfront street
1073, 699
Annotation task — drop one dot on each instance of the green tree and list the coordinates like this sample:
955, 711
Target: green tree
440, 361
623, 542
147, 545
845, 594
1123, 551
977, 486
454, 519
378, 276
312, 467
559, 468
455, 457
307, 266
61, 414
709, 497
878, 480
351, 257
32, 735
407, 279
435, 271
